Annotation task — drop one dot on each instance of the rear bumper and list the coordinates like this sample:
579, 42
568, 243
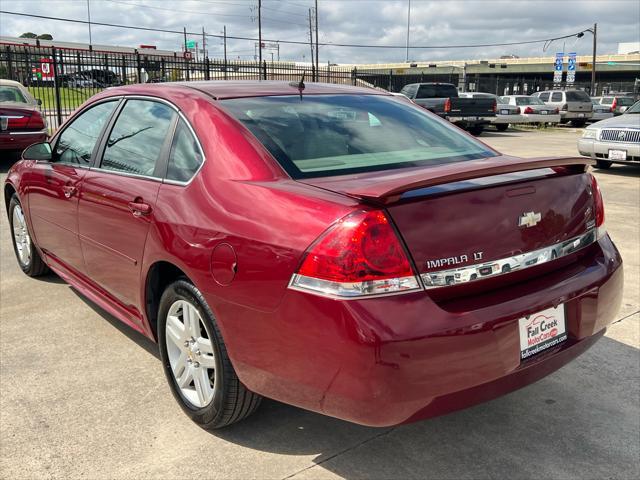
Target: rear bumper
466, 122
599, 150
390, 360
539, 118
575, 115
506, 119
21, 140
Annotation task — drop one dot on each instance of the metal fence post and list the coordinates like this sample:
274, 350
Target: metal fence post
124, 70
138, 68
56, 86
206, 66
354, 76
9, 62
264, 69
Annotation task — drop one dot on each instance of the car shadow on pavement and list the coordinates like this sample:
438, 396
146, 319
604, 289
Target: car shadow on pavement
7, 159
617, 170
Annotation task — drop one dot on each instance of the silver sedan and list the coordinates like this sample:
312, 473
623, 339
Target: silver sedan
616, 140
533, 109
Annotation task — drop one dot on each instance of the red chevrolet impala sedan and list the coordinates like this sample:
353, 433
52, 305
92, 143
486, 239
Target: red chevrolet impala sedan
331, 247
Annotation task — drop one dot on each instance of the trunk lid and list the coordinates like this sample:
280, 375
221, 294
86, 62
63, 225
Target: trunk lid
15, 116
471, 213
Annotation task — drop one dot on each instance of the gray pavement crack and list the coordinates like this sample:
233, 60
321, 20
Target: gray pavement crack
341, 452
626, 316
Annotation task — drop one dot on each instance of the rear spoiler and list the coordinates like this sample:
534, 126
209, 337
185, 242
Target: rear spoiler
387, 187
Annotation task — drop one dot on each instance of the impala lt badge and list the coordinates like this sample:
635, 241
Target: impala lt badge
529, 219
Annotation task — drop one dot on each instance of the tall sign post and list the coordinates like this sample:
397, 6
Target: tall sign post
557, 68
571, 69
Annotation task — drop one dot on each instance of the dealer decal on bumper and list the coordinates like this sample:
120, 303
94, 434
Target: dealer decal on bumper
541, 330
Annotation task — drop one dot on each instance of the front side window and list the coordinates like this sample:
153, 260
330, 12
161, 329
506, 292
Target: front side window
185, 157
78, 139
322, 135
625, 101
544, 96
137, 138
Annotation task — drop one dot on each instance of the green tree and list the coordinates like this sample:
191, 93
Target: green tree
28, 35
45, 36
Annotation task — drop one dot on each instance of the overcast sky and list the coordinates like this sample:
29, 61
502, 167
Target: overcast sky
341, 21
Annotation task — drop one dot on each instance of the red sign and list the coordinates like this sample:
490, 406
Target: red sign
187, 55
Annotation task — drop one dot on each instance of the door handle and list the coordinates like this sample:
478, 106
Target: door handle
69, 190
139, 208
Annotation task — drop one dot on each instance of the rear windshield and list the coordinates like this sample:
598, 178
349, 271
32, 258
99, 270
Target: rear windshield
577, 96
528, 101
437, 91
625, 101
324, 135
11, 94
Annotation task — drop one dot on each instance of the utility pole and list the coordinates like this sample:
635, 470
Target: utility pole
224, 33
185, 38
317, 45
260, 31
592, 90
408, 23
89, 17
204, 45
311, 43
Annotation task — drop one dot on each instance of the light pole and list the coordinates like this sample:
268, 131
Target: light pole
89, 18
594, 31
408, 23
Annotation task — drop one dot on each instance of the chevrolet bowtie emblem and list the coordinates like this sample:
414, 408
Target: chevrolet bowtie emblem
529, 219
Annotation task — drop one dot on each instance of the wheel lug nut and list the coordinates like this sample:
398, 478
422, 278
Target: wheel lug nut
197, 352
187, 343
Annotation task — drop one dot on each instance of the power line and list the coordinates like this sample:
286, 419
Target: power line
295, 42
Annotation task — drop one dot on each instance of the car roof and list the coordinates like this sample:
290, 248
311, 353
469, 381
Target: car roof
10, 83
221, 89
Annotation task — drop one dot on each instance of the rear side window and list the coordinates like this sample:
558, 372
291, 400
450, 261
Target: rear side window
606, 100
77, 140
556, 97
577, 96
322, 135
544, 96
185, 157
137, 138
437, 91
625, 101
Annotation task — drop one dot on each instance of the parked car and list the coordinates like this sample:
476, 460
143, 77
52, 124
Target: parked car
505, 114
533, 109
616, 140
472, 114
21, 122
600, 112
574, 105
617, 104
281, 241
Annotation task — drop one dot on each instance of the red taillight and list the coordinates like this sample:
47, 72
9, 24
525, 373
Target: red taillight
16, 123
447, 105
36, 121
359, 255
495, 106
556, 111
598, 204
528, 110
614, 104
518, 111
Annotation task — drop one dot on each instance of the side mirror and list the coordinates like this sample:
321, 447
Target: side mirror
38, 151
39, 101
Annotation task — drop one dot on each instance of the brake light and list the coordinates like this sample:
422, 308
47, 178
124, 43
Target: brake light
598, 204
359, 255
447, 105
495, 106
614, 104
556, 111
528, 110
20, 121
518, 111
565, 107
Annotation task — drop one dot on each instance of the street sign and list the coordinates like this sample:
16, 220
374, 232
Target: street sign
191, 44
187, 55
571, 68
557, 68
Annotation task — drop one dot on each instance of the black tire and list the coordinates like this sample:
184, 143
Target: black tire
34, 266
231, 401
502, 127
476, 130
578, 123
603, 164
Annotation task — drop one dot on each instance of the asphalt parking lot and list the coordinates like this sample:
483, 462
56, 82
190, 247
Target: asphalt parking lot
83, 396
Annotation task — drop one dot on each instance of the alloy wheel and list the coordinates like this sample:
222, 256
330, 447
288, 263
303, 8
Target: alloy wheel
21, 236
191, 353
